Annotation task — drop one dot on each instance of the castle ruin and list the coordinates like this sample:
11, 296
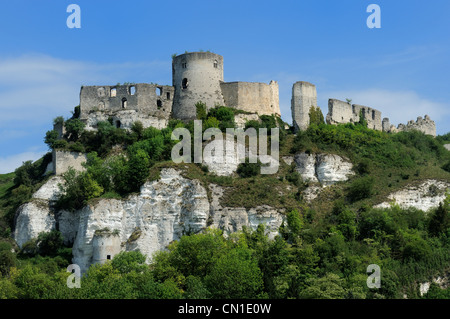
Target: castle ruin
198, 77
339, 112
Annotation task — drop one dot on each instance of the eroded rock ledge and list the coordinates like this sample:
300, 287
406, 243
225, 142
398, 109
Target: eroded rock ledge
162, 212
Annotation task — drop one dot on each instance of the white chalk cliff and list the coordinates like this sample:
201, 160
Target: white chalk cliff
162, 212
327, 169
424, 196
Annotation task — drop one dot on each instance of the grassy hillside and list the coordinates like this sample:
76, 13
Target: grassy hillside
322, 252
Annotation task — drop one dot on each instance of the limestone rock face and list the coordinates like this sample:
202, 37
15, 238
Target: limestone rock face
221, 157
232, 219
332, 169
33, 218
50, 190
36, 216
326, 169
424, 196
162, 212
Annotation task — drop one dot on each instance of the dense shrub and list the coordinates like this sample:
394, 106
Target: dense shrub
247, 169
361, 188
316, 116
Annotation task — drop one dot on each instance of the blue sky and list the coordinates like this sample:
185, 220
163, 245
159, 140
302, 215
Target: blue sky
401, 69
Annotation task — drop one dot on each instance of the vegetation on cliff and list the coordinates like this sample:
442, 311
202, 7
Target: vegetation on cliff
322, 252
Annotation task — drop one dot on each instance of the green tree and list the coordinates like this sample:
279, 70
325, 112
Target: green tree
138, 129
248, 169
194, 255
295, 225
77, 189
328, 287
195, 289
235, 275
138, 169
440, 219
201, 111
7, 260
8, 290
74, 128
50, 138
126, 262
316, 116
50, 243
361, 188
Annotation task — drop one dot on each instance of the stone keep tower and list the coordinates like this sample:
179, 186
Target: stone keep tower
304, 95
196, 77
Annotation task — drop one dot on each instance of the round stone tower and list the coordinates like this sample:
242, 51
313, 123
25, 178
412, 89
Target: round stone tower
105, 245
196, 77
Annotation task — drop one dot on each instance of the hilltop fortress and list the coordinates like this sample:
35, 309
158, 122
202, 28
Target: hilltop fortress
304, 96
198, 76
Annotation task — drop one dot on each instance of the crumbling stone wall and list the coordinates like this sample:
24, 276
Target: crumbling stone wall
254, 97
146, 100
425, 125
386, 125
304, 96
63, 160
340, 112
372, 116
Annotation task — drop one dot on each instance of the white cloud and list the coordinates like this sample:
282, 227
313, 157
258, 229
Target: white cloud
9, 163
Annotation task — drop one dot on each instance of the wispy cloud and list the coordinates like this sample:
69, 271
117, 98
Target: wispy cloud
10, 163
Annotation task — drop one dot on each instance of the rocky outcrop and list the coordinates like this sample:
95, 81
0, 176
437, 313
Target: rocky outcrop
327, 169
222, 157
36, 216
447, 146
442, 281
232, 219
424, 196
162, 212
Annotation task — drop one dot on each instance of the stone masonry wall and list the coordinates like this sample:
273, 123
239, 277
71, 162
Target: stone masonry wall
425, 125
63, 160
147, 99
340, 112
196, 76
254, 97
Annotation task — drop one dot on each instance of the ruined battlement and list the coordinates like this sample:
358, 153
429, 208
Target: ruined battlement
425, 125
196, 76
340, 112
125, 102
254, 97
